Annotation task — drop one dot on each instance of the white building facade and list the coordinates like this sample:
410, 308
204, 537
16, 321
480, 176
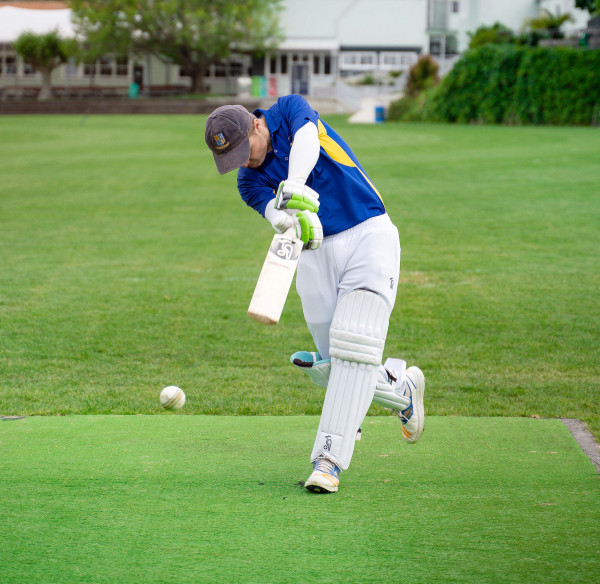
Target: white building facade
325, 42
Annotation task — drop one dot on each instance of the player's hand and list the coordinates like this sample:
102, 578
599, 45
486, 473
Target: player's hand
280, 220
296, 195
308, 229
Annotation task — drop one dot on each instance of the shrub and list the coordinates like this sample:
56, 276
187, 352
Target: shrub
523, 85
496, 34
422, 75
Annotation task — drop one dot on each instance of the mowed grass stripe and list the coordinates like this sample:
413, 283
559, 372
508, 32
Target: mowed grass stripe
201, 499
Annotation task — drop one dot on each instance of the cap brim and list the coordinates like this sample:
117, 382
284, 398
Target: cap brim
233, 159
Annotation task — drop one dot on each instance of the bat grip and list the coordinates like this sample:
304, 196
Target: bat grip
290, 234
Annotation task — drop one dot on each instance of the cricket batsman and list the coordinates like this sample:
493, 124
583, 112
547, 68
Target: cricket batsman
297, 172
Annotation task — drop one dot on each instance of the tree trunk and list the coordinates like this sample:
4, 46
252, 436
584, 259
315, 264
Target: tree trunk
46, 91
198, 84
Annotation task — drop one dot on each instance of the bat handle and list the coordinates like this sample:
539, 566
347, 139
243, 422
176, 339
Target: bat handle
290, 234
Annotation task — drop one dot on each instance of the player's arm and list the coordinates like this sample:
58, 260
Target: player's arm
304, 153
293, 195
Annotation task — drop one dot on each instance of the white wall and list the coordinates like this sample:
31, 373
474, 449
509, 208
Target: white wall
394, 23
511, 13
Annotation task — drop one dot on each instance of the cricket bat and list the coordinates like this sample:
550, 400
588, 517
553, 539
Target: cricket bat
275, 278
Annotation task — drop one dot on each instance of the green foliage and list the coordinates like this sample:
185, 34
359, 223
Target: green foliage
591, 6
519, 85
191, 33
43, 50
411, 108
496, 34
368, 80
549, 22
422, 75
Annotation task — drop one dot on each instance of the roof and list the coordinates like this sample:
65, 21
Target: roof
34, 5
14, 21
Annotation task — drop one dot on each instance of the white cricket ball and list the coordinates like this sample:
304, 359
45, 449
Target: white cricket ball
172, 398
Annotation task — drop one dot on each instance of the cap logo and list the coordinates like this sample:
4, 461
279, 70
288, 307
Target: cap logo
220, 141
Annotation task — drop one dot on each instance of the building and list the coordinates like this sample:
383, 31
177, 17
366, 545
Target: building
327, 44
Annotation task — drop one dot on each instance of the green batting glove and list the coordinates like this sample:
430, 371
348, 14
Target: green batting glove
309, 229
295, 195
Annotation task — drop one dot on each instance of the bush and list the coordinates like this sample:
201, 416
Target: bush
497, 34
422, 75
518, 85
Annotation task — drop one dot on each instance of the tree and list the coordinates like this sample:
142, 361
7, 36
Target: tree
591, 6
192, 33
45, 52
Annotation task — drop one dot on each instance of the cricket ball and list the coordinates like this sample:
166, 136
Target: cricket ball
172, 398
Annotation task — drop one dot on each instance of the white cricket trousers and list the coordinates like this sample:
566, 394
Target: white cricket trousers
366, 256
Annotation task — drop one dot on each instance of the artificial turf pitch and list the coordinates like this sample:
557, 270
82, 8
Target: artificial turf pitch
174, 498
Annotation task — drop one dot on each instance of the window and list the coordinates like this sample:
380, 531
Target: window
283, 64
89, 69
71, 68
397, 60
236, 68
455, 7
122, 66
28, 69
273, 65
367, 60
105, 66
327, 65
8, 61
316, 64
359, 60
219, 70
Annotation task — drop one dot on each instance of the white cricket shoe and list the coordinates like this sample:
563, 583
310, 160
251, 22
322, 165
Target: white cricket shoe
413, 417
324, 477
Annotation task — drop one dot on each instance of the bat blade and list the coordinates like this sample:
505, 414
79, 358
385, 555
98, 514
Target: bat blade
275, 279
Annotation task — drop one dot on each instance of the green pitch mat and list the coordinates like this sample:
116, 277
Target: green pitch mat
219, 499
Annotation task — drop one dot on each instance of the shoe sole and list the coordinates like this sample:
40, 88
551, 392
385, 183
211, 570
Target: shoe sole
321, 490
418, 392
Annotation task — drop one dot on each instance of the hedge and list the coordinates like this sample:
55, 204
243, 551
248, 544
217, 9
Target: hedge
514, 85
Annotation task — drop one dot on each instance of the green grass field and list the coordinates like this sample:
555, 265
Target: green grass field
128, 264
177, 499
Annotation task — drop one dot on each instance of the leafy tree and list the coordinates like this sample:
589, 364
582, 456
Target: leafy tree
497, 34
192, 33
45, 52
591, 6
549, 22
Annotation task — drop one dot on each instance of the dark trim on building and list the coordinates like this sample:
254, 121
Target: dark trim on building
379, 49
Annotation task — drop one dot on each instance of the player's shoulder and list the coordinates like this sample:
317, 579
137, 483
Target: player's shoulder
292, 98
292, 102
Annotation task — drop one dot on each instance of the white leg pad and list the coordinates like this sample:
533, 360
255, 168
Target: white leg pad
357, 338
